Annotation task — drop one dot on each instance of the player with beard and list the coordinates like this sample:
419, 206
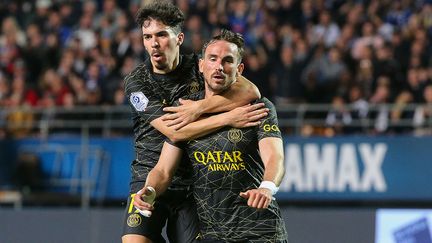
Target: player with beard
151, 88
236, 171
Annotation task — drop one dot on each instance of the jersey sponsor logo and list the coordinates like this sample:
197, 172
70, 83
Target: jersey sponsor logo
139, 101
194, 87
134, 220
270, 128
226, 167
220, 160
235, 135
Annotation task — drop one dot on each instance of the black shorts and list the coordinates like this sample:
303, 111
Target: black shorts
176, 208
243, 241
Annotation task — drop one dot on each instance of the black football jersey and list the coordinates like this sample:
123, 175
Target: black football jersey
148, 93
226, 163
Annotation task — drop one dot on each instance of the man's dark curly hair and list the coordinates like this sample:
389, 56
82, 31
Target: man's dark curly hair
228, 36
163, 11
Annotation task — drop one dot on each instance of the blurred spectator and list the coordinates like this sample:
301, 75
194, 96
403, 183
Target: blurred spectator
379, 101
326, 31
77, 52
85, 34
286, 74
368, 38
42, 11
196, 33
422, 120
238, 16
258, 71
121, 46
385, 65
364, 76
93, 76
20, 94
288, 12
399, 13
327, 68
338, 117
11, 39
359, 109
54, 89
78, 89
400, 115
19, 122
35, 54
4, 89
414, 84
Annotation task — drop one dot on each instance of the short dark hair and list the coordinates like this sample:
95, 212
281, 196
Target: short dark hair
228, 36
163, 11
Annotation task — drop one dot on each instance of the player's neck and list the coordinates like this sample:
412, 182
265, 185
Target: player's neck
170, 67
209, 93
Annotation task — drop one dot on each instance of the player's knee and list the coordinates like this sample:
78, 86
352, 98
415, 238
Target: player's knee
131, 238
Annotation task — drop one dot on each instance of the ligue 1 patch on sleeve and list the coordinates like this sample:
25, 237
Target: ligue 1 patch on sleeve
139, 101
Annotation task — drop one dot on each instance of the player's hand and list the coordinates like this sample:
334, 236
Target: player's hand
139, 203
247, 115
259, 198
187, 112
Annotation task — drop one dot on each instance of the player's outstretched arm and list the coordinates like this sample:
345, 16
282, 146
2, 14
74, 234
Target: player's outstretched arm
161, 175
240, 93
271, 152
244, 116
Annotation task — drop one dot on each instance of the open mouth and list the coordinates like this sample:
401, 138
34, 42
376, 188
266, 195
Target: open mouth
157, 55
218, 77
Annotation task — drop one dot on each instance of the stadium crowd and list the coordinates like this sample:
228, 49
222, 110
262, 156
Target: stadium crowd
360, 53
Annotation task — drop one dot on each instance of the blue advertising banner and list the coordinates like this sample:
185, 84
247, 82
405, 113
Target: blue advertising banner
357, 168
108, 165
341, 168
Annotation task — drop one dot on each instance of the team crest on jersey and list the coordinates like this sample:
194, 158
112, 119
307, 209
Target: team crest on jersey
139, 101
235, 135
134, 220
194, 87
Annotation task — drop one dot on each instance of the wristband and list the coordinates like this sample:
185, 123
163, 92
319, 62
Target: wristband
269, 185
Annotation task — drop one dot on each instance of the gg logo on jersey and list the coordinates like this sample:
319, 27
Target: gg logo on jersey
270, 128
194, 87
235, 135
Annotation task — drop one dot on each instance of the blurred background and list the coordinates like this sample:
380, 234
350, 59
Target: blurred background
351, 80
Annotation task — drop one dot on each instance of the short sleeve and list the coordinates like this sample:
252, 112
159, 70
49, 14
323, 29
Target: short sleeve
269, 126
141, 99
180, 145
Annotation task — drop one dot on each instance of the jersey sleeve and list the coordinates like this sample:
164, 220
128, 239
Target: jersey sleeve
180, 145
269, 126
141, 99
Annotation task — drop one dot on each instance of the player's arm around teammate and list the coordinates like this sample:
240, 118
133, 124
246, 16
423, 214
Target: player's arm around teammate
271, 152
244, 116
240, 93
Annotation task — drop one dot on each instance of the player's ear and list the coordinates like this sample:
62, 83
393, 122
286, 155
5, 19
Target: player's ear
180, 38
240, 69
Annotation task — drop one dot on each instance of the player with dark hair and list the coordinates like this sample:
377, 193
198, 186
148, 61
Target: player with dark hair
236, 171
153, 86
